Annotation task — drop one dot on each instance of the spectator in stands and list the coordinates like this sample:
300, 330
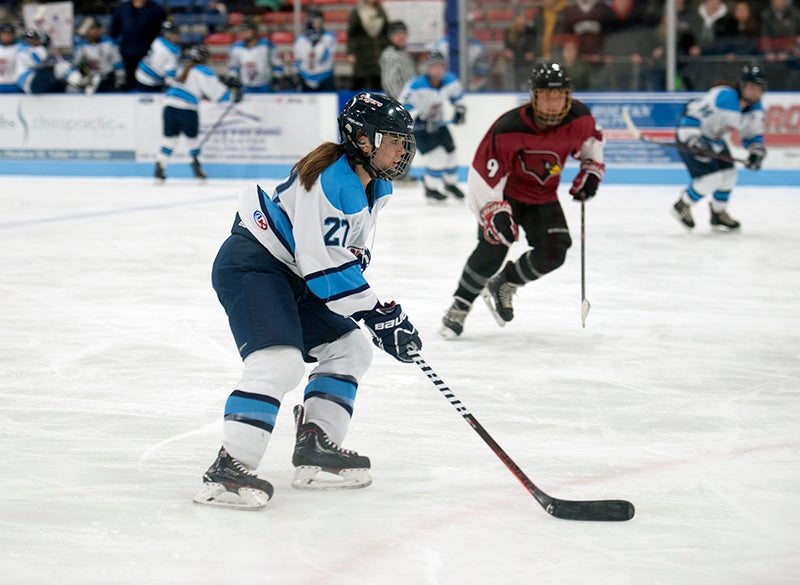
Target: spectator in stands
519, 45
741, 32
629, 41
547, 23
713, 15
157, 69
587, 21
780, 30
135, 24
255, 64
99, 55
397, 65
580, 71
313, 55
367, 36
9, 49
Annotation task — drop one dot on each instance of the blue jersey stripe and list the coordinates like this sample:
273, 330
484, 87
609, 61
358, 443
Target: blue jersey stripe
336, 283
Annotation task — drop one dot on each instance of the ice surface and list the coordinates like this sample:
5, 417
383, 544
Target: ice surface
681, 395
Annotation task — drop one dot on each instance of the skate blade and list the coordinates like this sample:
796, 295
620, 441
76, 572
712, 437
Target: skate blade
447, 333
306, 478
215, 494
487, 297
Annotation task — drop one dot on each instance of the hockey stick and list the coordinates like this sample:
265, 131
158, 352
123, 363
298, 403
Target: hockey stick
626, 117
216, 124
585, 306
597, 510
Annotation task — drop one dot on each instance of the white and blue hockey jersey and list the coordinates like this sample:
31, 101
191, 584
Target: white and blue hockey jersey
201, 82
255, 67
159, 65
315, 233
102, 57
8, 67
717, 113
314, 62
429, 104
29, 59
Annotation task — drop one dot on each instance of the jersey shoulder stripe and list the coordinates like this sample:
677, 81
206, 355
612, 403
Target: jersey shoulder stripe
343, 188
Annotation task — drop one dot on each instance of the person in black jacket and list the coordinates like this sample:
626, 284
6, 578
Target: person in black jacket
135, 24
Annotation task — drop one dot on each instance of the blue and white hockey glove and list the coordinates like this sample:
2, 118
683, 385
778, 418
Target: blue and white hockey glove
392, 331
584, 186
757, 155
497, 221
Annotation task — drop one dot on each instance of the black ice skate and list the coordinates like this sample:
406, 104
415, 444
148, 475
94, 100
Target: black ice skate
198, 171
722, 219
497, 294
230, 484
159, 173
315, 452
433, 196
454, 191
683, 211
453, 320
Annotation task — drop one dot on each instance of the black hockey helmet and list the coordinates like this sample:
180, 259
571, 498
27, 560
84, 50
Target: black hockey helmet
31, 34
7, 27
169, 28
550, 76
250, 24
198, 53
397, 26
753, 74
376, 115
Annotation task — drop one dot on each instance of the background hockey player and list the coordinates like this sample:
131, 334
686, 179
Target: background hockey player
39, 71
314, 51
290, 277
9, 49
254, 63
195, 81
98, 55
157, 69
429, 98
513, 182
704, 126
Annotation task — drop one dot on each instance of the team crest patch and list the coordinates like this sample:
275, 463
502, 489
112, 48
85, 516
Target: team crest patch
260, 220
540, 164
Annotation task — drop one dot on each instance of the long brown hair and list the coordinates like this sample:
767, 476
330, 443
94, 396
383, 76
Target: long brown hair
181, 77
310, 167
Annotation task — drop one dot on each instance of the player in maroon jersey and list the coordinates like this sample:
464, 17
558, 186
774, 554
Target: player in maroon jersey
513, 181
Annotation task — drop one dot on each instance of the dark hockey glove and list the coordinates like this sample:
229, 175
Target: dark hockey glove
584, 186
757, 155
698, 146
363, 256
460, 115
499, 227
392, 331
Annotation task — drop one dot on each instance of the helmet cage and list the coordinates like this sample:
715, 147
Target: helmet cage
377, 117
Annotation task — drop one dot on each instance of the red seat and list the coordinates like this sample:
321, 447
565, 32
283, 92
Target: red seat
220, 38
282, 37
235, 18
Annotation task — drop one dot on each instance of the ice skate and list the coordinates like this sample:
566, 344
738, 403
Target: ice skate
453, 320
315, 453
197, 170
497, 294
433, 196
159, 174
683, 211
455, 191
722, 219
228, 483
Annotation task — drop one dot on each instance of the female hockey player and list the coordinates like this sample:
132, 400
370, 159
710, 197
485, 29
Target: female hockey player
290, 277
513, 181
705, 123
194, 82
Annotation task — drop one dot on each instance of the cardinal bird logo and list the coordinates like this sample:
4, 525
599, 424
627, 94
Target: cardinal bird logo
540, 164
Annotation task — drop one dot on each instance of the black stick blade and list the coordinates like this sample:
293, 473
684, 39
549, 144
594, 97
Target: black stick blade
595, 510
